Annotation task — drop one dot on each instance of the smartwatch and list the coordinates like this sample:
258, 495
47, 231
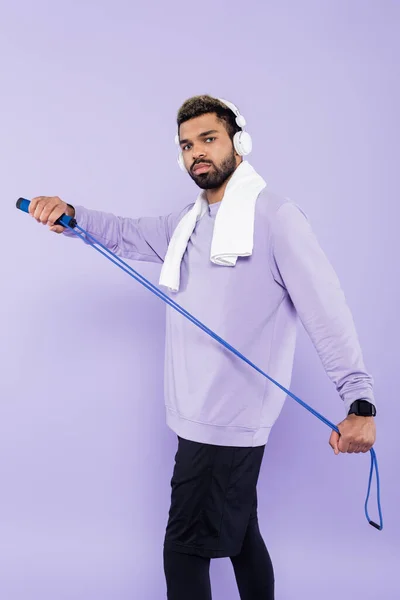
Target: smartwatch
362, 408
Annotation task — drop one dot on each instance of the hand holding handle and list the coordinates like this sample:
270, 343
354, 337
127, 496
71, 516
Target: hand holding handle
64, 220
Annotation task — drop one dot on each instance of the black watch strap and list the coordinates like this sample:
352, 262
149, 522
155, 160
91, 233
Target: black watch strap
362, 408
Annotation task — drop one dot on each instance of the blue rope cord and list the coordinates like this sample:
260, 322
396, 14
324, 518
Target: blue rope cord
158, 292
23, 204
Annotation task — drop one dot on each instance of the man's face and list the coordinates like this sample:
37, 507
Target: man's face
207, 151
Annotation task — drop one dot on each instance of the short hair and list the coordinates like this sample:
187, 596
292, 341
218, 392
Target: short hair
201, 105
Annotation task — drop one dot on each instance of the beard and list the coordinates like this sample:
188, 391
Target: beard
215, 176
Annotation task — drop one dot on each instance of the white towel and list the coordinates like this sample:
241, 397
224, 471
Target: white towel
233, 229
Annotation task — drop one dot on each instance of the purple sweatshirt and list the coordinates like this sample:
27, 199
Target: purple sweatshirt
211, 395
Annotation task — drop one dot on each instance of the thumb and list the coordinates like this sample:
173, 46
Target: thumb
57, 228
334, 441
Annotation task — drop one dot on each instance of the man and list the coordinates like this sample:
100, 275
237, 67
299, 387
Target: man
222, 410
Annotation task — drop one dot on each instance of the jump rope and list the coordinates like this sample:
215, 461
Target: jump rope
72, 224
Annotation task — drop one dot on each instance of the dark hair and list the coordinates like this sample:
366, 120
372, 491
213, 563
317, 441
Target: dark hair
201, 105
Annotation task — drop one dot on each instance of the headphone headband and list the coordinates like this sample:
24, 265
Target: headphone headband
240, 120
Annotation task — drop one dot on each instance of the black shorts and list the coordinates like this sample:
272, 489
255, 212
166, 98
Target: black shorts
213, 498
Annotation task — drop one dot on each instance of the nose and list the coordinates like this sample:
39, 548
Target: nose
198, 153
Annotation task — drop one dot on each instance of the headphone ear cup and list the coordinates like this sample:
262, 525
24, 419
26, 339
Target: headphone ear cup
181, 163
242, 143
180, 156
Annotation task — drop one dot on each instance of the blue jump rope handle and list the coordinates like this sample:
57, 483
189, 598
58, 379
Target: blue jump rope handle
64, 220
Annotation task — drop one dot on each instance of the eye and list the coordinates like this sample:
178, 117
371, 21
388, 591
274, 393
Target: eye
188, 146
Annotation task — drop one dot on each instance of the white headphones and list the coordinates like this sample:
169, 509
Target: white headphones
241, 140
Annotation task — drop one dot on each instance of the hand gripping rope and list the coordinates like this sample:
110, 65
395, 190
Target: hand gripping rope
71, 224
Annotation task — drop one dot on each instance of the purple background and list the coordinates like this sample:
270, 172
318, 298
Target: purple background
89, 94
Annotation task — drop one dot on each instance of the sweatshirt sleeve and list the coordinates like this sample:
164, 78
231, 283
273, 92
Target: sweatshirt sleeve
300, 265
142, 239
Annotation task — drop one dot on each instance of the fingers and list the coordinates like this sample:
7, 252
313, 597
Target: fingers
339, 443
33, 204
353, 448
334, 441
359, 448
356, 448
54, 214
47, 209
344, 444
365, 448
354, 435
57, 228
43, 207
37, 206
